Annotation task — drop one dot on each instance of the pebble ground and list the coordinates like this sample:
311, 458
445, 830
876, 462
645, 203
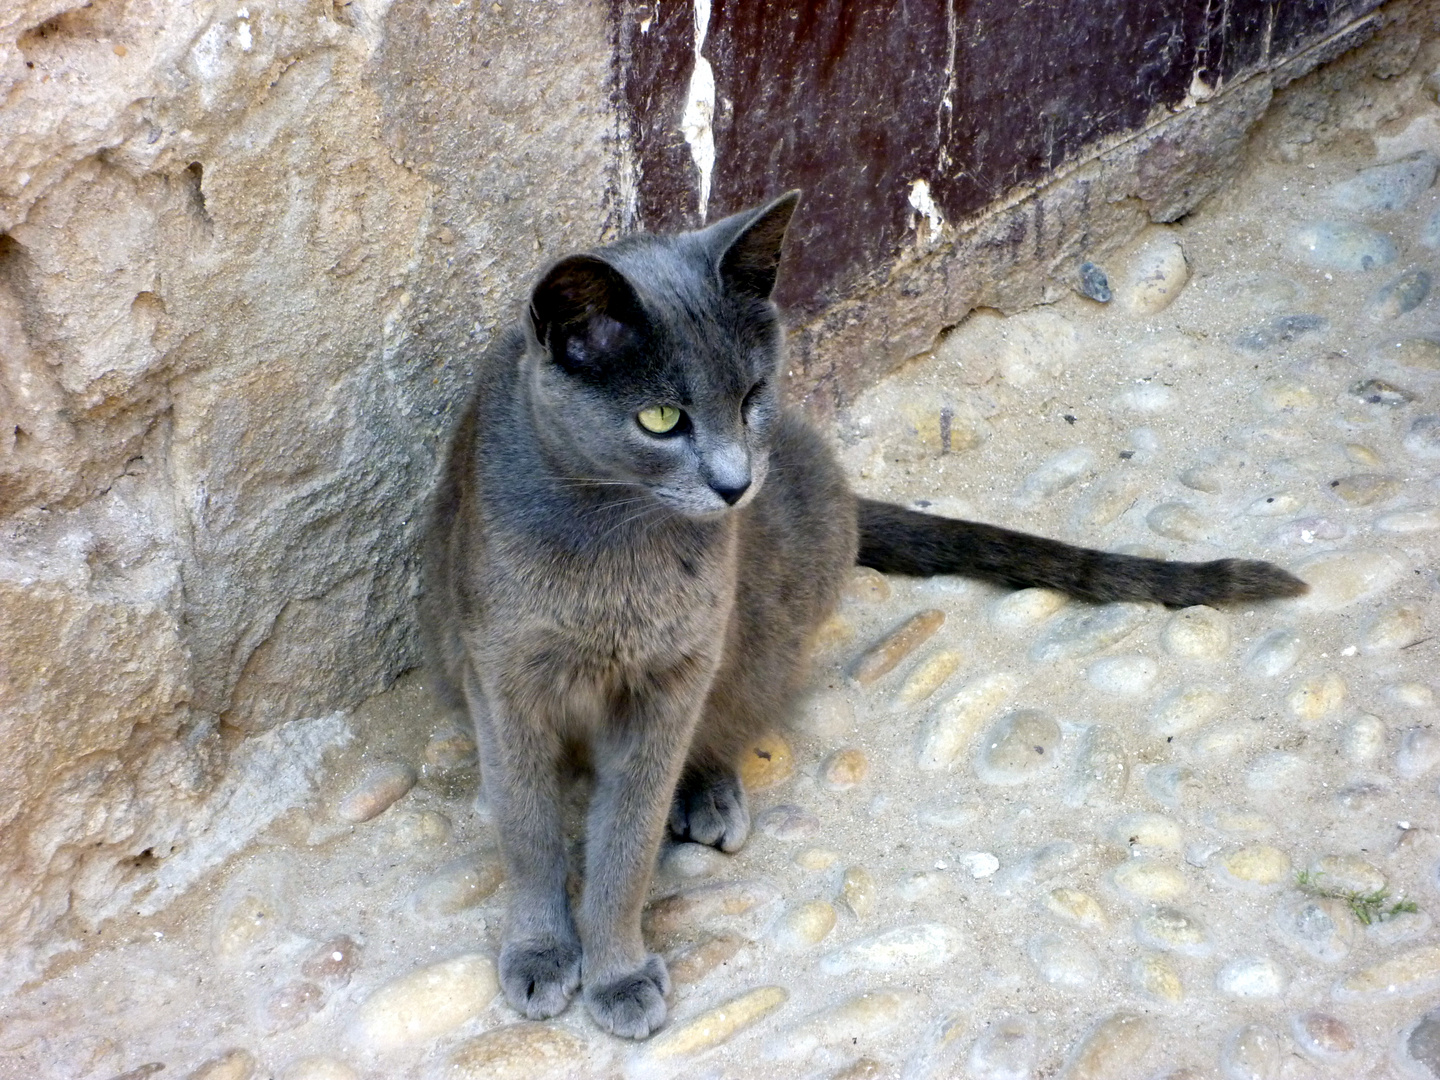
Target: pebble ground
1008, 836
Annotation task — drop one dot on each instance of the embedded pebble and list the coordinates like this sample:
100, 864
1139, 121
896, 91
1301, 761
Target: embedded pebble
1155, 276
1241, 823
1075, 906
1006, 1050
1323, 1036
715, 1026
1307, 530
1317, 698
1363, 489
1257, 864
1102, 769
1347, 577
857, 891
416, 830
1404, 294
1082, 632
1276, 505
1019, 746
1197, 633
692, 860
694, 963
1278, 771
816, 859
1173, 931
767, 762
979, 864
1342, 245
449, 750
1419, 752
1410, 521
860, 1017
1400, 927
458, 885
1363, 739
1423, 438
1113, 1048
918, 947
1044, 862
380, 789
1025, 608
425, 1004
1362, 455
1422, 1042
1275, 653
832, 634
234, 1065
1396, 185
1208, 477
1146, 398
1094, 283
1349, 873
1252, 977
867, 584
1108, 499
788, 822
1184, 710
1150, 880
1251, 1053
525, 1051
1056, 474
1423, 353
293, 1004
1416, 971
1280, 330
844, 769
929, 675
1414, 695
1124, 676
951, 729
1061, 962
1393, 629
883, 657
250, 912
1148, 831
1155, 976
729, 905
1286, 397
805, 925
1178, 521
947, 815
333, 961
1381, 393
1225, 741
318, 1068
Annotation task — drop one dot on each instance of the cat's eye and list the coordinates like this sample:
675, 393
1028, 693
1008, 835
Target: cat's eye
659, 419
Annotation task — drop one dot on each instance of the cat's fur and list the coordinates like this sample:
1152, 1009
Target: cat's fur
591, 590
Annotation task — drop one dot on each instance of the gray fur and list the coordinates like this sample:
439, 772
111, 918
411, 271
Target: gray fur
591, 593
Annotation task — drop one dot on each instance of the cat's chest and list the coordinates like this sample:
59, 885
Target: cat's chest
635, 607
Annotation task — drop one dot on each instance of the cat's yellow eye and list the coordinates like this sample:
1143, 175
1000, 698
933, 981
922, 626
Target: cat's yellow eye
658, 419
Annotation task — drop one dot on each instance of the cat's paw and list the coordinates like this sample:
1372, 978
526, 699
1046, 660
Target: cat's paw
632, 1005
712, 810
540, 975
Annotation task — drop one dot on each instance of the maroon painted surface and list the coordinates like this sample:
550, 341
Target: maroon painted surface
853, 101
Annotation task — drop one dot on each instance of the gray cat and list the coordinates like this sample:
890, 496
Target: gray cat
631, 546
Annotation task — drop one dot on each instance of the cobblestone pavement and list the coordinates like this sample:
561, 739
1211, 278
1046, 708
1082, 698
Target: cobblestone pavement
1009, 836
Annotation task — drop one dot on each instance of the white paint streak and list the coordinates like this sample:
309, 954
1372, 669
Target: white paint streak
922, 202
696, 124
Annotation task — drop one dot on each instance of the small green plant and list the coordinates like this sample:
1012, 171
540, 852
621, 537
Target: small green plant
1371, 907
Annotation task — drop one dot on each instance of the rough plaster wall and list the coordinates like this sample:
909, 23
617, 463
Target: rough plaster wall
246, 250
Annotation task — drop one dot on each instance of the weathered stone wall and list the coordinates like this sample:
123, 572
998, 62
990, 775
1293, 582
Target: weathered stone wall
248, 252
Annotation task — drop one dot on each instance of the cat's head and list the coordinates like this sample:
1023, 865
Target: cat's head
655, 362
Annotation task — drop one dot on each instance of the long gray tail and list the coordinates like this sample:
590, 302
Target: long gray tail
900, 541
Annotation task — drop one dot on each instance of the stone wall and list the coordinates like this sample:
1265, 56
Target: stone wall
248, 253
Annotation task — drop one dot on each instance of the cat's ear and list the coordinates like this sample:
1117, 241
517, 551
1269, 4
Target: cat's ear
751, 258
582, 309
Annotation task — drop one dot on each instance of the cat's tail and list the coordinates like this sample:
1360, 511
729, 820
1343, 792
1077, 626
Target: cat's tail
900, 541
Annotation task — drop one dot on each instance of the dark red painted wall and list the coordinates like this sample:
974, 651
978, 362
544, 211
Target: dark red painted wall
852, 102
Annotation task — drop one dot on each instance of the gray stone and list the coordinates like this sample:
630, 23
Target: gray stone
1280, 329
1405, 293
1343, 246
1422, 1043
1396, 185
1094, 283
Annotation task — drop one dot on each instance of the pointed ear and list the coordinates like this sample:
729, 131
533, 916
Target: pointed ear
582, 308
752, 259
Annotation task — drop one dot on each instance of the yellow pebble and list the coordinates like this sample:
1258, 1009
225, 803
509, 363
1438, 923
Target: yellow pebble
715, 1026
1156, 976
816, 858
1259, 864
857, 891
929, 675
1075, 906
868, 585
767, 763
882, 657
1150, 879
844, 769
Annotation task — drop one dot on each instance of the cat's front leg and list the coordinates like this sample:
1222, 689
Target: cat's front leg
540, 957
638, 758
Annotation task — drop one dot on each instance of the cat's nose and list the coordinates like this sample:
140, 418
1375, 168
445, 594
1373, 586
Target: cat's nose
731, 493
